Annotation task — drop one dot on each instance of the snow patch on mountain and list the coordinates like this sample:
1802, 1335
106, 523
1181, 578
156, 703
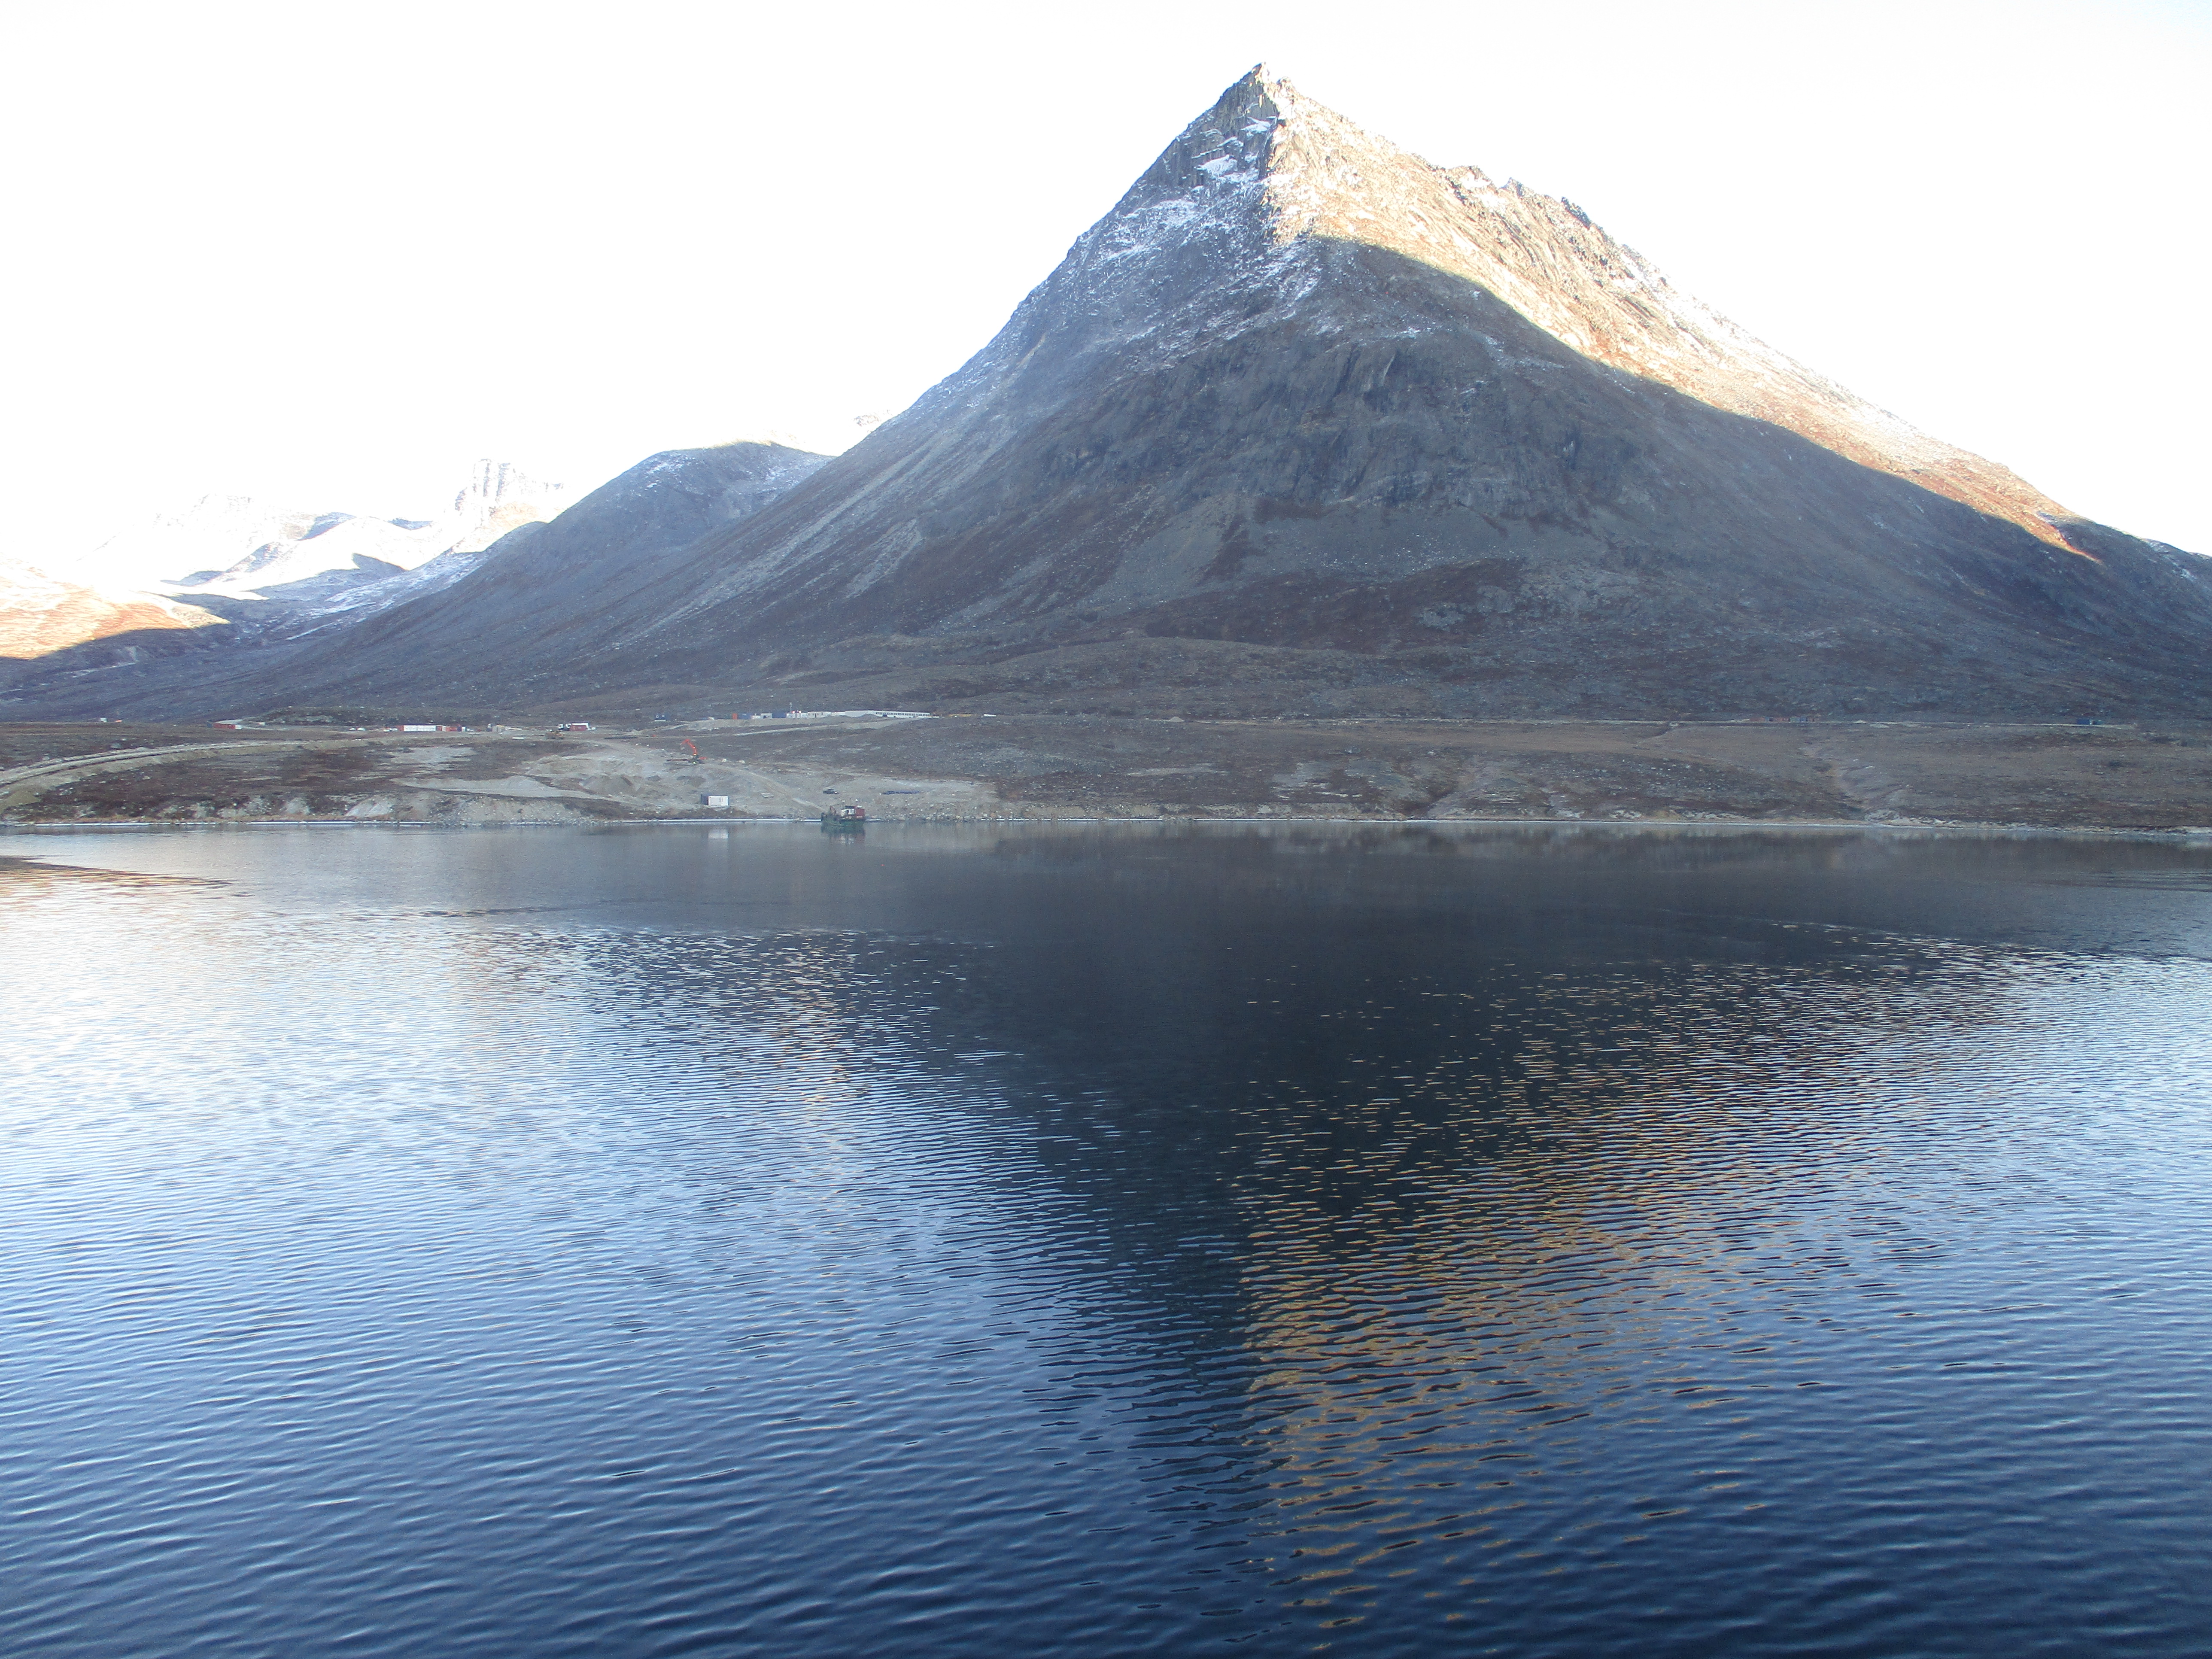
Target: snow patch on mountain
335, 550
243, 546
260, 570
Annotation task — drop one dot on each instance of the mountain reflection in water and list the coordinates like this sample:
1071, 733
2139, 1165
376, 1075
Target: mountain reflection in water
1103, 1241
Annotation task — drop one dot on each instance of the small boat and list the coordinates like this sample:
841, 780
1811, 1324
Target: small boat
844, 817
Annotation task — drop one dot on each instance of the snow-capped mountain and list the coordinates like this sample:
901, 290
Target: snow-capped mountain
498, 497
206, 536
256, 568
1306, 423
239, 542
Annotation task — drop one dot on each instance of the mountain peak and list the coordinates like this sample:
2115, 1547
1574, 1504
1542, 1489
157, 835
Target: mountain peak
1268, 170
1307, 423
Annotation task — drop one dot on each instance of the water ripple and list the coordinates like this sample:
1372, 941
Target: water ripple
690, 1242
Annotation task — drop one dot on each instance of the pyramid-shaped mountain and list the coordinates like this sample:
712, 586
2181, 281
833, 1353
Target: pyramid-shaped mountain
1305, 424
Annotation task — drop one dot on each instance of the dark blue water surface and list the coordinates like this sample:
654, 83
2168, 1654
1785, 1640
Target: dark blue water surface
677, 1240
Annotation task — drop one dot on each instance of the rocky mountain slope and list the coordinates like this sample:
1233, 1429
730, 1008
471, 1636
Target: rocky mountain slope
1306, 424
1301, 391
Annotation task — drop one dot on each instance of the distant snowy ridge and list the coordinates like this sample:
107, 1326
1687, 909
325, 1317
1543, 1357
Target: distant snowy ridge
498, 497
241, 544
257, 568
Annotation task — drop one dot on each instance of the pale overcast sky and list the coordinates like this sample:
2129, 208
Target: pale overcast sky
331, 253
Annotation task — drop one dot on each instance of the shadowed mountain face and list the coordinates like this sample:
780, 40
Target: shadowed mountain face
1307, 424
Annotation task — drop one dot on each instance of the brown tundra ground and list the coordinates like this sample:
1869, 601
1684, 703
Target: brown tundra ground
970, 767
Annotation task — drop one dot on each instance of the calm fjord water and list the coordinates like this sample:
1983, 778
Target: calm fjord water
675, 1240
